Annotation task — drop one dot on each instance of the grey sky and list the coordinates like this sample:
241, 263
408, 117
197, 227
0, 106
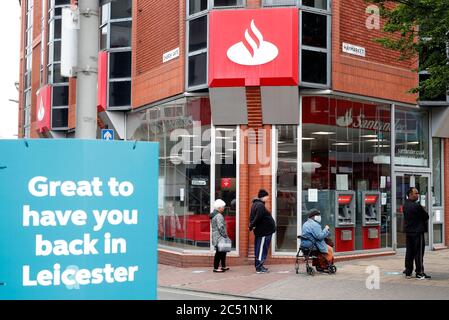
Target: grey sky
9, 67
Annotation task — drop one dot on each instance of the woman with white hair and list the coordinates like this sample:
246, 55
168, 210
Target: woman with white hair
218, 233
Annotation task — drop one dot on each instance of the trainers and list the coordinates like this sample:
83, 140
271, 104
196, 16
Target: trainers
408, 276
422, 276
262, 271
225, 268
218, 270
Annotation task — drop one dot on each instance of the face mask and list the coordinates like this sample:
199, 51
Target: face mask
318, 219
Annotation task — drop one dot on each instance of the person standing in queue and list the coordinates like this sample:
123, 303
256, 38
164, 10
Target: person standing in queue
263, 225
219, 232
416, 224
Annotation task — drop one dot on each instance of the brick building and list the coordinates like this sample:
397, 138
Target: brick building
292, 96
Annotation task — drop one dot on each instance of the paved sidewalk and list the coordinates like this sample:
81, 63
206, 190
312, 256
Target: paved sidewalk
350, 282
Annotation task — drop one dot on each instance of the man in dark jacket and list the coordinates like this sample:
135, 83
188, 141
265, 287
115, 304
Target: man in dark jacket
416, 221
264, 226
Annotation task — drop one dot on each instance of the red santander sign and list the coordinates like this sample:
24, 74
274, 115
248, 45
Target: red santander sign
253, 47
43, 114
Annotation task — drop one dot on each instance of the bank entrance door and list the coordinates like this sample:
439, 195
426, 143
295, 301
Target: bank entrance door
404, 181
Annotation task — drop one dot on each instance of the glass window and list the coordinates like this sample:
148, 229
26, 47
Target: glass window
184, 135
60, 118
104, 38
436, 168
279, 2
120, 94
56, 51
346, 148
197, 70
57, 78
412, 138
314, 66
121, 34
121, 9
120, 65
286, 187
198, 34
61, 2
314, 30
227, 3
226, 175
438, 233
196, 6
60, 96
319, 4
57, 28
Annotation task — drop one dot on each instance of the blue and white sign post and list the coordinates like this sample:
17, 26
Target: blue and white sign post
75, 227
107, 134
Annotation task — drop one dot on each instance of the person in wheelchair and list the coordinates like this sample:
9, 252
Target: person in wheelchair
315, 239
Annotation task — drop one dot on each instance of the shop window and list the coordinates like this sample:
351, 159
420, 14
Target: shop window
228, 3
197, 70
120, 34
438, 233
57, 51
314, 66
120, 93
60, 96
272, 3
196, 6
314, 30
59, 118
120, 64
121, 9
412, 138
198, 34
437, 173
183, 131
318, 4
346, 147
286, 188
61, 2
57, 77
226, 175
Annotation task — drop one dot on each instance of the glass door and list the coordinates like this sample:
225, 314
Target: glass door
404, 181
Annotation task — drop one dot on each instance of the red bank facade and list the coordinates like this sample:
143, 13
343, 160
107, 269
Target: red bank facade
292, 96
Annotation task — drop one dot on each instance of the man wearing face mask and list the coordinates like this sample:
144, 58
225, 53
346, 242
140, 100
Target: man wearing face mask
311, 229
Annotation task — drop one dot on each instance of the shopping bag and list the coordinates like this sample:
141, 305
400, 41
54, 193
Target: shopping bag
224, 245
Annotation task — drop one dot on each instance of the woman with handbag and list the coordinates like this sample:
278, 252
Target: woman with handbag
220, 239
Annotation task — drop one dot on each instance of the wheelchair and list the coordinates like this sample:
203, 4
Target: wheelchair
312, 255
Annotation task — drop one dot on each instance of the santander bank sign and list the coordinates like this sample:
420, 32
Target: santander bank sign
253, 47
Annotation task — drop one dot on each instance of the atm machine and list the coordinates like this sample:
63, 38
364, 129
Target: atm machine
344, 220
371, 219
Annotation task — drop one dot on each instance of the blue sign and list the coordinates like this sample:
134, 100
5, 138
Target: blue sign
107, 134
75, 227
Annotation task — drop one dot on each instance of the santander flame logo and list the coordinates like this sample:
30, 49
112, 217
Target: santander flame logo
41, 111
253, 50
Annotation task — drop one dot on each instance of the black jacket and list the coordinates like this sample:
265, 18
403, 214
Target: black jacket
415, 217
261, 220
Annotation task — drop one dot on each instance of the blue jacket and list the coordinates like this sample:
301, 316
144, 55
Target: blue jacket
312, 230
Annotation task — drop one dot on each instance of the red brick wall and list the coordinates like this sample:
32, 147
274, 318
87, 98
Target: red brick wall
158, 27
379, 74
446, 191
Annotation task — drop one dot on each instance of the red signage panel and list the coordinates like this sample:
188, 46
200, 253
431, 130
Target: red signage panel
43, 114
102, 97
253, 47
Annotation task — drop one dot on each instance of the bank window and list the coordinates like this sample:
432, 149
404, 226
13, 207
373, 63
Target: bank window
59, 117
197, 47
273, 3
315, 48
226, 175
183, 130
412, 138
346, 151
115, 38
228, 3
437, 172
286, 183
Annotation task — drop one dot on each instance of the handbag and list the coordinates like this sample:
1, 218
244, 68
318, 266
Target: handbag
224, 245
